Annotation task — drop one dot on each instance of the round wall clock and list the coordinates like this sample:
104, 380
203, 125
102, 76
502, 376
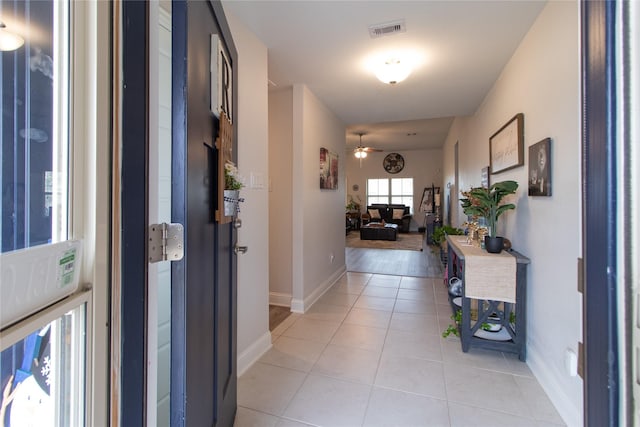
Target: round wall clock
393, 163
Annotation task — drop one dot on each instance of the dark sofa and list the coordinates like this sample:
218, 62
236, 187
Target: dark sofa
386, 213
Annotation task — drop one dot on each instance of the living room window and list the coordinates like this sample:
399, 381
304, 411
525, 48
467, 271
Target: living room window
391, 191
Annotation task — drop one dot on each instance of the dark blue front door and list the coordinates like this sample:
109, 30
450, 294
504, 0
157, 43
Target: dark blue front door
203, 377
601, 350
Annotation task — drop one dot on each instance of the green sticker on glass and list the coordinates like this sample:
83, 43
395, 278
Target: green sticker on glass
66, 268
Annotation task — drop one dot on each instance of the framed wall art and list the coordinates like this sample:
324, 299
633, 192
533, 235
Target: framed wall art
430, 199
484, 177
540, 168
393, 163
506, 146
328, 170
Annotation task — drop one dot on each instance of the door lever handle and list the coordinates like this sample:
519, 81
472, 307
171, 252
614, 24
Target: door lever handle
240, 249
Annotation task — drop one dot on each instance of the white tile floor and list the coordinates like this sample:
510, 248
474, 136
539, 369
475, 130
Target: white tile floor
370, 353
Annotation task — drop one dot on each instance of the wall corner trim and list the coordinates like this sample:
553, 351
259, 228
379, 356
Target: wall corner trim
280, 299
301, 306
254, 352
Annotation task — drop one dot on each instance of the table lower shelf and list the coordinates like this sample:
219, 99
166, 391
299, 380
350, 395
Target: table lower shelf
508, 339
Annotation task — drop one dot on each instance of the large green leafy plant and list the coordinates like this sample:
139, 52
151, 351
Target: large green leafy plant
440, 233
486, 202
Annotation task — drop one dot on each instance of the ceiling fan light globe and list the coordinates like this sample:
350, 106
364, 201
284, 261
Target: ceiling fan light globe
363, 154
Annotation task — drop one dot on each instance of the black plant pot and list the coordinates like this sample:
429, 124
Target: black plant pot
493, 245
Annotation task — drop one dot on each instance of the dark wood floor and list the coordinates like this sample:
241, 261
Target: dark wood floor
394, 262
277, 314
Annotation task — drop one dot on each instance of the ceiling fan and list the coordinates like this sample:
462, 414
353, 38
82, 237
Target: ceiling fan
361, 152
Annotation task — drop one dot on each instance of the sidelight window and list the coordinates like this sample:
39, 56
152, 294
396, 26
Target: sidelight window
43, 336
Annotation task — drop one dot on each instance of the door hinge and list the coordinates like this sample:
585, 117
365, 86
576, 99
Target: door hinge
166, 242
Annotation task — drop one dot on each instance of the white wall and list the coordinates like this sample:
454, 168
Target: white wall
318, 215
424, 166
541, 80
448, 183
280, 196
253, 144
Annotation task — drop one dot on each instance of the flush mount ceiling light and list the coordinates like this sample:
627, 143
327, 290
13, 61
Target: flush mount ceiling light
393, 71
8, 40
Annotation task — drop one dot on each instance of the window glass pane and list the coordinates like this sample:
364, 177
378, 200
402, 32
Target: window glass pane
396, 186
402, 192
403, 200
402, 186
377, 187
377, 191
377, 199
33, 123
42, 375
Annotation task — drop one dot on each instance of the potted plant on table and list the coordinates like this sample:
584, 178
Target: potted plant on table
486, 203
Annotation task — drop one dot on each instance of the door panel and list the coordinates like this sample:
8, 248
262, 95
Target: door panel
203, 377
132, 298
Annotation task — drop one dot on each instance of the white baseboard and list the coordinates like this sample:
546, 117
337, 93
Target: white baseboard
278, 298
254, 352
297, 305
301, 306
564, 404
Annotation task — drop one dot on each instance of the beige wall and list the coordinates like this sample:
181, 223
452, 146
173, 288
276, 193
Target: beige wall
280, 196
319, 221
307, 225
424, 166
542, 80
253, 145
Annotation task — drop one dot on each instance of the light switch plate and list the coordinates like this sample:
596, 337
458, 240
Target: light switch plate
257, 180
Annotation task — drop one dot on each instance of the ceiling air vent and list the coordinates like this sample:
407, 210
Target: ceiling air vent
387, 29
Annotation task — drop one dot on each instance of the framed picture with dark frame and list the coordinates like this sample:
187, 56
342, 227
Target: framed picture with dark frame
429, 199
540, 168
506, 146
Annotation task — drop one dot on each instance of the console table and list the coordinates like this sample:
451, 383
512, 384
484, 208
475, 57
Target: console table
513, 334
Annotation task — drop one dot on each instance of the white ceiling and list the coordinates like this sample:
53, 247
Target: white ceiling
460, 46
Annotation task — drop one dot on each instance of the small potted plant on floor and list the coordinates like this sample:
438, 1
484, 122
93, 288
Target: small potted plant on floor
487, 203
